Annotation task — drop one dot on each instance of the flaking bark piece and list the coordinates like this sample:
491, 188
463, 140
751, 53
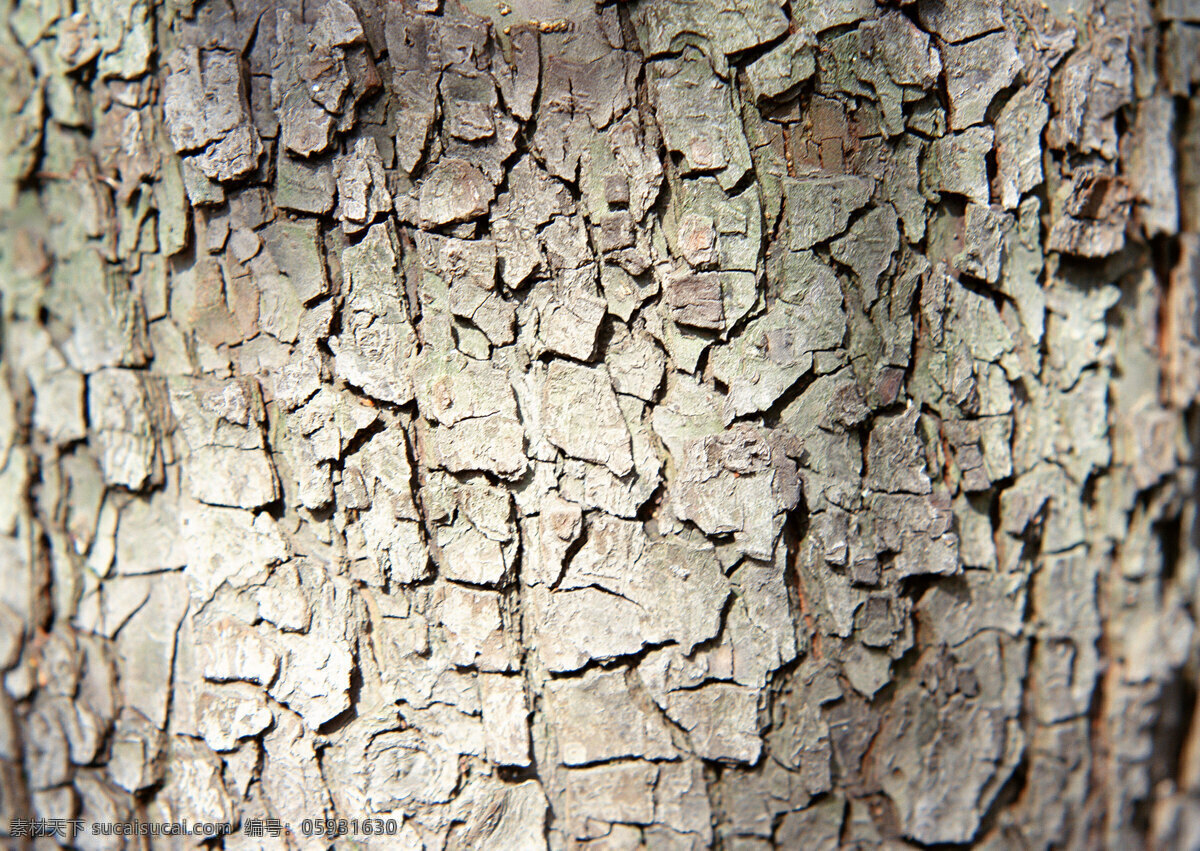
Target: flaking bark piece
959, 20
1092, 215
283, 602
387, 532
1180, 49
558, 526
758, 636
578, 626
387, 548
569, 313
731, 29
316, 666
738, 482
494, 815
337, 25
377, 348
998, 602
819, 823
1151, 167
59, 411
1019, 129
773, 351
305, 127
221, 424
689, 411
697, 118
22, 121
520, 85
330, 420
488, 155
486, 310
595, 718
905, 51
721, 719
307, 186
466, 554
597, 797
958, 164
362, 186
229, 650
194, 788
815, 16
128, 413
975, 73
783, 68
505, 719
205, 111
1181, 324
695, 300
148, 539
1064, 593
596, 486
984, 232
1089, 90
297, 249
226, 714
757, 800
582, 418
228, 546
469, 267
942, 786
761, 621
896, 455
980, 450
475, 412
1181, 10
715, 230
681, 801
867, 248
697, 239
514, 226
470, 106
590, 86
456, 390
720, 487
802, 741
292, 781
635, 363
839, 66
146, 642
413, 47
103, 312
916, 528
315, 90
136, 759
12, 636
454, 191
474, 623
201, 192
624, 590
819, 207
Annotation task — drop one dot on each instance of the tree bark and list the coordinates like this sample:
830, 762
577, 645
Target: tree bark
666, 424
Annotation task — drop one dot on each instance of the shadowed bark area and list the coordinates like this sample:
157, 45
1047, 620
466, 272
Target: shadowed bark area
665, 423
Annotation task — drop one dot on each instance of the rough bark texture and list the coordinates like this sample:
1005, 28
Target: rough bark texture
669, 423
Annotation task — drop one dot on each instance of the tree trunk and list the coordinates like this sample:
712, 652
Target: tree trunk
667, 424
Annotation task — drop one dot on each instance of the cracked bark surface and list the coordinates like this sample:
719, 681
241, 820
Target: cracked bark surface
656, 424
